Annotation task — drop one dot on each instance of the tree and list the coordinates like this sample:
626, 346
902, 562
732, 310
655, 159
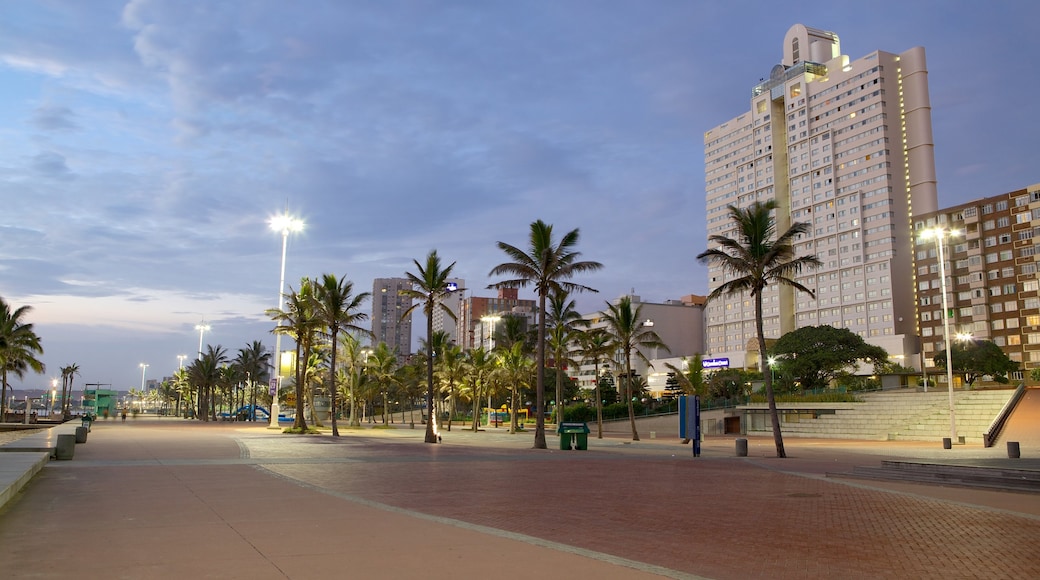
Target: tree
753, 261
547, 266
690, 381
19, 347
627, 333
479, 365
254, 361
302, 325
564, 323
68, 374
975, 358
451, 370
1034, 374
514, 369
595, 347
816, 355
382, 366
205, 375
430, 289
337, 309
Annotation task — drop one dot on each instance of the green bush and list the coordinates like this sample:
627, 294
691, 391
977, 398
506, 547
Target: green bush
579, 414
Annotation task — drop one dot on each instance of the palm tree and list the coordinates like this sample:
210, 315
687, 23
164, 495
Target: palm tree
68, 374
595, 346
337, 310
564, 324
382, 366
479, 365
451, 371
353, 355
302, 325
429, 288
627, 333
19, 347
514, 370
254, 360
182, 384
753, 261
205, 375
547, 266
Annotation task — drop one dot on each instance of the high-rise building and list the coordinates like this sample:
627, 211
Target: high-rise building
479, 315
845, 146
990, 257
441, 321
387, 307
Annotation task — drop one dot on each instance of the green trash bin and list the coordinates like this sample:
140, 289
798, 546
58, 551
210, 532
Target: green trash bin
573, 436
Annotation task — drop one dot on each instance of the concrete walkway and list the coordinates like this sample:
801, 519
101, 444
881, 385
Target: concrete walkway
174, 499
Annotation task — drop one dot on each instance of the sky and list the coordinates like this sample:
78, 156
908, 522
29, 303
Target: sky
144, 144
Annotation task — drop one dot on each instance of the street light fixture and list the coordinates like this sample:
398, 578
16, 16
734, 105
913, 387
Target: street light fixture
180, 360
144, 367
285, 224
938, 234
491, 320
202, 327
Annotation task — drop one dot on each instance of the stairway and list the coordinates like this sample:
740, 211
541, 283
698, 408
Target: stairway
999, 478
903, 415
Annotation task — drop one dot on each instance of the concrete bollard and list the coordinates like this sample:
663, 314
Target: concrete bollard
81, 434
741, 447
66, 447
947, 443
1014, 452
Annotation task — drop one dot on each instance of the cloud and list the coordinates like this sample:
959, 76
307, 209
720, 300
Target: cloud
52, 165
54, 118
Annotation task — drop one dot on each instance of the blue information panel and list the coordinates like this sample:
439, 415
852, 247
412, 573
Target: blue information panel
690, 421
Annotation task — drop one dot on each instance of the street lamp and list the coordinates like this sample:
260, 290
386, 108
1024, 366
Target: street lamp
938, 234
285, 224
180, 360
491, 320
202, 327
772, 361
144, 367
54, 394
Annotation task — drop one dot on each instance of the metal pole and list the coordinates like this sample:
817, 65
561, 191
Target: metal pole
946, 333
278, 336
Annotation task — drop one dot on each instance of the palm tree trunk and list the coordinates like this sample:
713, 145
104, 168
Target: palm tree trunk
431, 414
559, 389
3, 397
628, 391
767, 377
332, 386
539, 421
599, 405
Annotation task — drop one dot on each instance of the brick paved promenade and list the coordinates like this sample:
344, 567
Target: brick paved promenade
174, 499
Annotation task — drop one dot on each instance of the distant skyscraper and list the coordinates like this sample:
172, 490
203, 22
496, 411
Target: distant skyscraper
387, 307
847, 147
474, 332
444, 323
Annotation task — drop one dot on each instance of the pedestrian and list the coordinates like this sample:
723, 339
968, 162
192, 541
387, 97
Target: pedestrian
124, 415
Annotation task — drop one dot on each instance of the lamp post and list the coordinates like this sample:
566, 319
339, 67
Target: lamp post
202, 327
180, 360
144, 367
54, 395
491, 320
939, 234
285, 224
772, 375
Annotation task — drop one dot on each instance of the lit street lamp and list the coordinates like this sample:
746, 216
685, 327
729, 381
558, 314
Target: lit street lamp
285, 224
180, 360
939, 234
491, 320
144, 367
54, 394
202, 327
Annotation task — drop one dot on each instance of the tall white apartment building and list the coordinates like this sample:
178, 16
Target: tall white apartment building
845, 145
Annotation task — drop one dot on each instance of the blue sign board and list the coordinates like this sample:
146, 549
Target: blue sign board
715, 363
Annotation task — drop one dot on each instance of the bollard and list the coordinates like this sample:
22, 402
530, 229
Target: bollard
1014, 452
81, 434
741, 447
66, 447
947, 443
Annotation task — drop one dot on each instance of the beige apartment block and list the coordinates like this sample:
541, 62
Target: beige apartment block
387, 307
845, 146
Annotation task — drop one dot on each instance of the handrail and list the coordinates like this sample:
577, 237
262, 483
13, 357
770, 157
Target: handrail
990, 436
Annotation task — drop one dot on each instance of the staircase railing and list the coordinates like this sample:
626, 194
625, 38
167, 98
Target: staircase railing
991, 434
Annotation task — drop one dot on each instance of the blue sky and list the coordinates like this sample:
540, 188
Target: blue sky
144, 144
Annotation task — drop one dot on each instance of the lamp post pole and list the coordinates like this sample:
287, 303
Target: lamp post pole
939, 234
144, 367
284, 224
202, 327
180, 360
